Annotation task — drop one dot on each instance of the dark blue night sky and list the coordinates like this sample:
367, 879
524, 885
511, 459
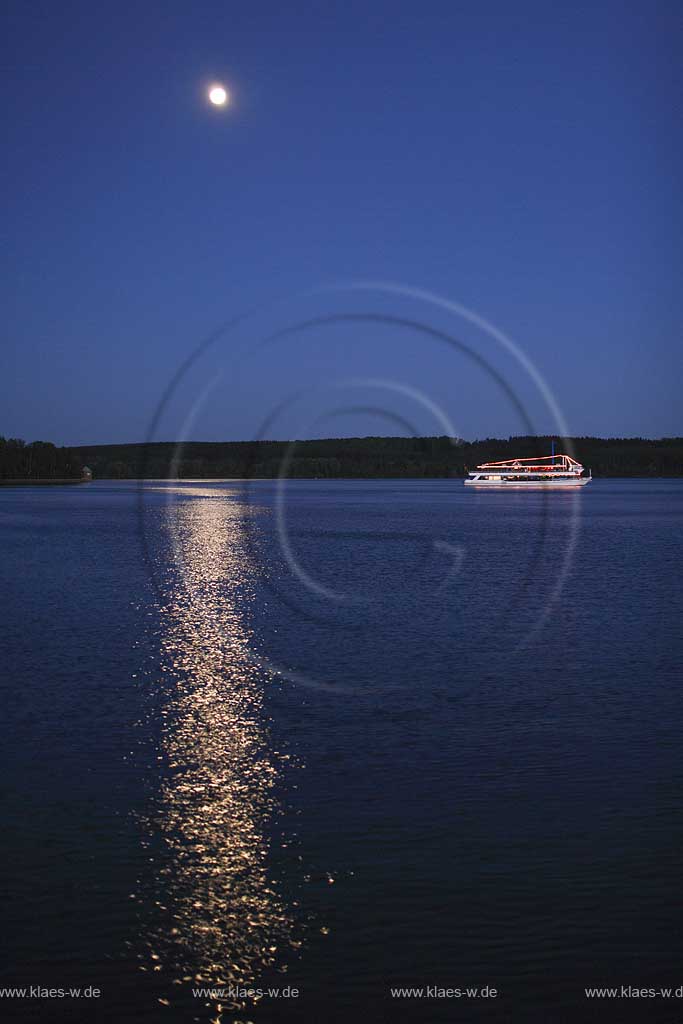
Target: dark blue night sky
520, 159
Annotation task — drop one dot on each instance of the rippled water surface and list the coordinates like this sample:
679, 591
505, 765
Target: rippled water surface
353, 736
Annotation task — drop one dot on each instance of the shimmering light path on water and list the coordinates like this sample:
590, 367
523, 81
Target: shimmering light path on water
223, 921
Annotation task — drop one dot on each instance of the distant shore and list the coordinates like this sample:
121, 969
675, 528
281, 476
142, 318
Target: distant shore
336, 458
374, 458
27, 482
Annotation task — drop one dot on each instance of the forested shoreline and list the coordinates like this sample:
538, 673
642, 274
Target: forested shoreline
361, 457
372, 457
39, 461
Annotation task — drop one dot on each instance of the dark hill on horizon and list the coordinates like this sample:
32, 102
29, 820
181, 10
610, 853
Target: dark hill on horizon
361, 457
368, 457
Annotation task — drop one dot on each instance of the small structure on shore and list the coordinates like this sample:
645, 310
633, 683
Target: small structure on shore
86, 473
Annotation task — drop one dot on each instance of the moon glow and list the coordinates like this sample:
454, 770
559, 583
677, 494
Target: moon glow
218, 95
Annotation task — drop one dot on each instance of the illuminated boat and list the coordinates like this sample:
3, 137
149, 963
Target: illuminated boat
543, 473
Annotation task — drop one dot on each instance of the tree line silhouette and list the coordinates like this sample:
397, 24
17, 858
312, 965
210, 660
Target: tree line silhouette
39, 460
369, 457
373, 457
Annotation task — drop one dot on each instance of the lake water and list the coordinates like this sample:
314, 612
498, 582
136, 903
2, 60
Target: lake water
349, 737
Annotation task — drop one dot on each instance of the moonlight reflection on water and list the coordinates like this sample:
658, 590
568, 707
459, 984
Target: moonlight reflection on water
223, 922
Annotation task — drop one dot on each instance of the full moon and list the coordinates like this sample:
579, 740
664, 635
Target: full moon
218, 95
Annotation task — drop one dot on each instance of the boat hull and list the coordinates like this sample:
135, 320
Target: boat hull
529, 485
